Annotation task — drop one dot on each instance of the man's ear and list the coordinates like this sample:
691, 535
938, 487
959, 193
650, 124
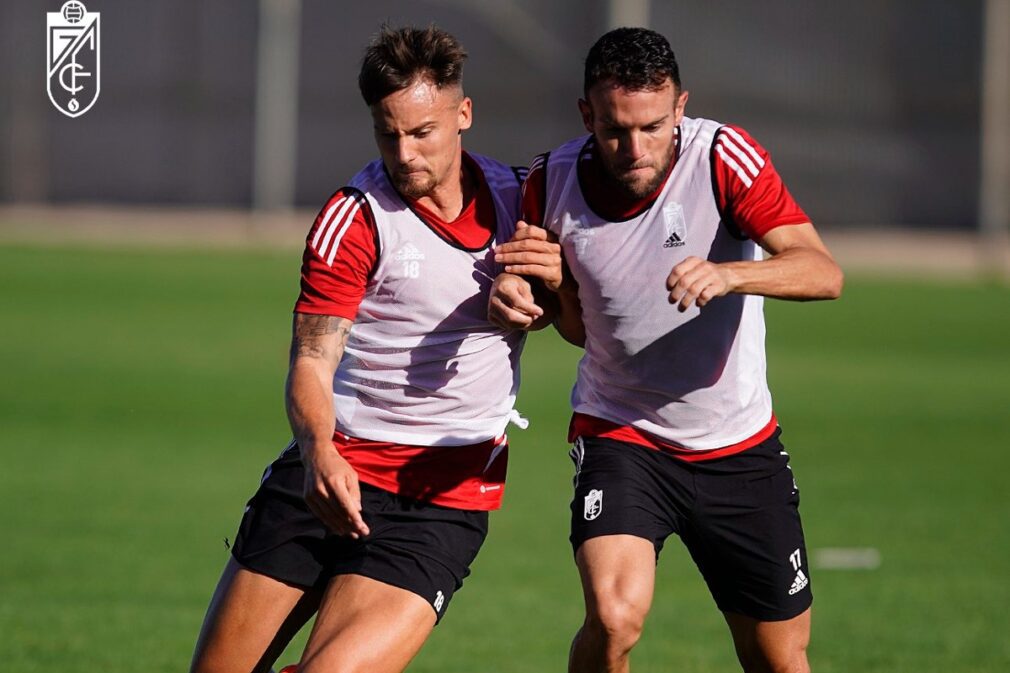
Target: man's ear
679, 106
587, 114
465, 113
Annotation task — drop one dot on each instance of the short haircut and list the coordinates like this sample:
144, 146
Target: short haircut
636, 59
397, 57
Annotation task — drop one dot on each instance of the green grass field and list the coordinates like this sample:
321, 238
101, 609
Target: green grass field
141, 399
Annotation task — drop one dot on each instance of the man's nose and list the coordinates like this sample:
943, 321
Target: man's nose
632, 146
405, 152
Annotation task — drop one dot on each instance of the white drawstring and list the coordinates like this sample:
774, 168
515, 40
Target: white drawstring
517, 419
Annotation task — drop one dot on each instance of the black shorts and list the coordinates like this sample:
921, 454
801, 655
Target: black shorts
423, 548
738, 516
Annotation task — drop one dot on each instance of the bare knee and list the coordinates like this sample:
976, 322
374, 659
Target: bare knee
616, 622
780, 660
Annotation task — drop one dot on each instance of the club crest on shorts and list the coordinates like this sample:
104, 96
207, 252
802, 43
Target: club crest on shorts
72, 50
676, 225
594, 504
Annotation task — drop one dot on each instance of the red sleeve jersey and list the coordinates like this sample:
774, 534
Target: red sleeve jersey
749, 191
340, 252
534, 193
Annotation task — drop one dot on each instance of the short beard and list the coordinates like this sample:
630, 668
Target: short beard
414, 188
639, 192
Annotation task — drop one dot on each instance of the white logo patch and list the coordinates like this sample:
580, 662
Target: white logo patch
72, 47
594, 504
676, 225
411, 259
408, 253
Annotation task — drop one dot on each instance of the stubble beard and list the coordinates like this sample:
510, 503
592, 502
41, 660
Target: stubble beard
639, 190
414, 186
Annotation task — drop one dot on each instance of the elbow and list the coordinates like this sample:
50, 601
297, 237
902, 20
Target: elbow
834, 282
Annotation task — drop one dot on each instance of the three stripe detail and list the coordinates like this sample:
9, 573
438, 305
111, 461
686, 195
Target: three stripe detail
334, 224
739, 155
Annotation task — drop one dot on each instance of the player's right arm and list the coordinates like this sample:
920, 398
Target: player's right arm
331, 484
340, 253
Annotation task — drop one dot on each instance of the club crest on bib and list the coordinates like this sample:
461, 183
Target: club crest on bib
73, 80
676, 226
594, 504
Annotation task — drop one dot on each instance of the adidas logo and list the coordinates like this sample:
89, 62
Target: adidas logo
799, 583
408, 253
673, 242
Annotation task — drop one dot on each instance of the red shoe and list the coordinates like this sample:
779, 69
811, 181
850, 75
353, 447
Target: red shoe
293, 668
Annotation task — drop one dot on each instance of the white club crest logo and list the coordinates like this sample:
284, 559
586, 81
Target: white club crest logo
72, 50
594, 504
676, 226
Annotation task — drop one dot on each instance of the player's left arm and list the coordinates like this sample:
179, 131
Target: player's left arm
536, 289
800, 268
753, 198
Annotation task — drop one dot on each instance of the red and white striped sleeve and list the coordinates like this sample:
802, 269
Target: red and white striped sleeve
749, 191
340, 253
534, 193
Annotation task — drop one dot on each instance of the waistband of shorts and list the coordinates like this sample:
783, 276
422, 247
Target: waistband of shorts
584, 425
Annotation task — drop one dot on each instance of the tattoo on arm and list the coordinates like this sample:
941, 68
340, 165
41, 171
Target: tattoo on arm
319, 337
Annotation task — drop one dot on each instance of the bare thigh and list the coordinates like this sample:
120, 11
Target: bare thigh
771, 646
250, 621
366, 625
618, 575
617, 569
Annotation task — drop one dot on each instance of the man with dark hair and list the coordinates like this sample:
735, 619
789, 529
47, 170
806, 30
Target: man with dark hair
398, 394
660, 220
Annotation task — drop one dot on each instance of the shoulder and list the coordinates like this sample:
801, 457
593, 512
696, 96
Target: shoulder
346, 213
371, 178
568, 154
737, 140
499, 176
346, 203
736, 152
698, 130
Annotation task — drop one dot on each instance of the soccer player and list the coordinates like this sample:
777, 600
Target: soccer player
661, 219
398, 394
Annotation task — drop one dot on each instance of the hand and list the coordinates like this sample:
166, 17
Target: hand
511, 304
697, 281
332, 492
532, 251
